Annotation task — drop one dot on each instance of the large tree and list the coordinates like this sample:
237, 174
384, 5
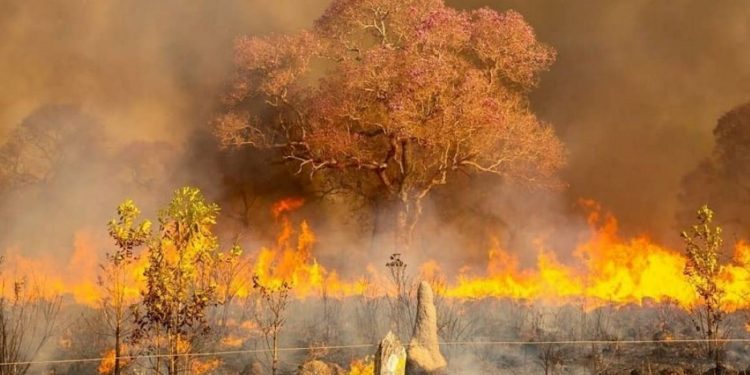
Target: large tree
723, 179
392, 97
51, 139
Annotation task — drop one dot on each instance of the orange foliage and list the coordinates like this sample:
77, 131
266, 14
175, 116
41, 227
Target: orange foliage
107, 364
364, 366
204, 366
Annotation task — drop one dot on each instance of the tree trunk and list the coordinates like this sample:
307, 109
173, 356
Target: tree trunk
172, 355
392, 222
117, 349
403, 234
380, 219
409, 213
275, 354
158, 351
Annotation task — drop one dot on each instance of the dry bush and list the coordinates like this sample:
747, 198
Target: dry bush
28, 320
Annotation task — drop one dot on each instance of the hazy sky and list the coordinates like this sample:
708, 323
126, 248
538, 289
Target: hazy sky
635, 92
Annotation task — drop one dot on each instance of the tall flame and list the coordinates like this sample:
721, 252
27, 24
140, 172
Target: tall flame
604, 268
286, 205
291, 260
609, 269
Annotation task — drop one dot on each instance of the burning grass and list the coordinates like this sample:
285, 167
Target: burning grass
614, 290
603, 269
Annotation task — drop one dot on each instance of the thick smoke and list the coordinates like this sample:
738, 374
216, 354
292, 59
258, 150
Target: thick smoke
149, 75
635, 92
148, 69
637, 87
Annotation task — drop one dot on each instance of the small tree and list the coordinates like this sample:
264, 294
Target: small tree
402, 306
452, 322
550, 357
703, 246
27, 321
115, 278
274, 300
180, 280
367, 313
229, 273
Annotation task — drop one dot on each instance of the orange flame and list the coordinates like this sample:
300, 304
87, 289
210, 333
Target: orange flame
107, 364
77, 277
609, 270
364, 366
603, 268
204, 366
291, 260
286, 205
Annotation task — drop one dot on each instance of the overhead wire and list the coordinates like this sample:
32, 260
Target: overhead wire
360, 346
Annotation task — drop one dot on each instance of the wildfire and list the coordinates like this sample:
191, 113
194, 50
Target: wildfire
286, 205
364, 366
604, 268
107, 364
608, 269
291, 260
204, 367
232, 341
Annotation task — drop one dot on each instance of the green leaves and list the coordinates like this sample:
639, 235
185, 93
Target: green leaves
182, 268
703, 246
190, 207
126, 234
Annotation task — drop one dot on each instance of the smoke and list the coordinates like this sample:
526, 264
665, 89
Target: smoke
634, 94
150, 74
720, 181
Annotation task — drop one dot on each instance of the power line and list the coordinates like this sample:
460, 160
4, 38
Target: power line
200, 354
355, 346
597, 342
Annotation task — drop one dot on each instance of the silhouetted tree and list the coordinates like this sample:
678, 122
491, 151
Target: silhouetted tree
271, 314
28, 318
49, 139
723, 179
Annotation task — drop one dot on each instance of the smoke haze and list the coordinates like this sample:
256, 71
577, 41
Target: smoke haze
635, 92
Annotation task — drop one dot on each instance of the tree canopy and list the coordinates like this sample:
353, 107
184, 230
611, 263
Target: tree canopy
181, 276
395, 96
51, 138
723, 179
